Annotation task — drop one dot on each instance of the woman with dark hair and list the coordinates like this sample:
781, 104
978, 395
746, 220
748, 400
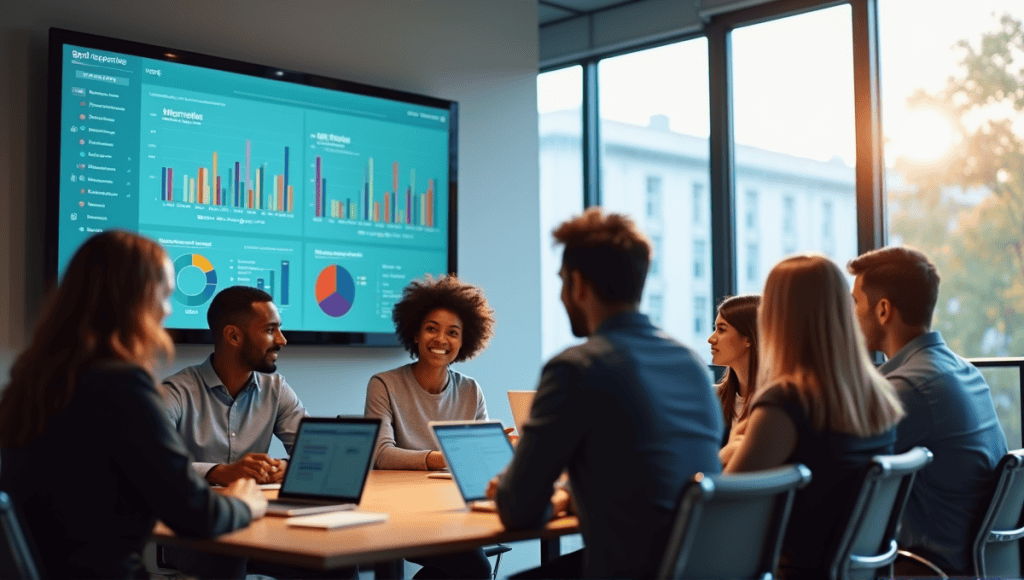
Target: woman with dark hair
87, 454
439, 321
734, 346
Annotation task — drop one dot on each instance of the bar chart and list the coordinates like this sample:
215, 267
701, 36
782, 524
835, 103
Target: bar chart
219, 163
363, 202
233, 186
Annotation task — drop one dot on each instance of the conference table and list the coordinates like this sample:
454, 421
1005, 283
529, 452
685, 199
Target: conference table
425, 517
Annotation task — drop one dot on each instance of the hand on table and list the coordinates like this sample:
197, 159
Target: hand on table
560, 499
248, 491
435, 460
259, 466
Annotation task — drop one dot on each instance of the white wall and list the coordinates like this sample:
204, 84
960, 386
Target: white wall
481, 54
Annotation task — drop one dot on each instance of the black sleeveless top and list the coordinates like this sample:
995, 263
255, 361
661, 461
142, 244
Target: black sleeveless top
836, 461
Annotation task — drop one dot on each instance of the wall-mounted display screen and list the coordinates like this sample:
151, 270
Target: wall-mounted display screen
329, 195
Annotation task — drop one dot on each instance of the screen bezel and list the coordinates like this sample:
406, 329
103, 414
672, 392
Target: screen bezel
59, 37
284, 495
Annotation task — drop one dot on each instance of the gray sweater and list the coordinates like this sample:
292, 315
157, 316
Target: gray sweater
405, 408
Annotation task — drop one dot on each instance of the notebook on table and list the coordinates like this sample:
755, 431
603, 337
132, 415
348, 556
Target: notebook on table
476, 451
520, 402
331, 459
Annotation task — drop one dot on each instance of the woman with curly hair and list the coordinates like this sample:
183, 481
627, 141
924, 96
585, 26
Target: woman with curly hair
440, 321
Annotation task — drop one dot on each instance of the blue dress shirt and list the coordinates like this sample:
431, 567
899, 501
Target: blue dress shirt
632, 415
949, 411
218, 429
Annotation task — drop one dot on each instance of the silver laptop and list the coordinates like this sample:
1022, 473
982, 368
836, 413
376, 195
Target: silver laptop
327, 472
520, 402
476, 451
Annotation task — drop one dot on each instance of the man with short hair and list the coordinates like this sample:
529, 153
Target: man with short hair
948, 403
228, 408
630, 414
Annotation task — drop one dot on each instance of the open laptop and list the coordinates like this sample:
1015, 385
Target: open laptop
330, 461
520, 402
476, 451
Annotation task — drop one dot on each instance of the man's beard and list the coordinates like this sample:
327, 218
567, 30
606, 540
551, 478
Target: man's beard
577, 322
262, 365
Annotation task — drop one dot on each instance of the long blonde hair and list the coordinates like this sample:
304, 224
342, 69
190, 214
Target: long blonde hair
105, 309
810, 338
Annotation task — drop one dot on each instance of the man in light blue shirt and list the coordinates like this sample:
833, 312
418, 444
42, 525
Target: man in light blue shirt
948, 403
228, 408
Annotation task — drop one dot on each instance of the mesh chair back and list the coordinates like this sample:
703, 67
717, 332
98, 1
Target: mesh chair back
996, 549
16, 560
868, 541
731, 526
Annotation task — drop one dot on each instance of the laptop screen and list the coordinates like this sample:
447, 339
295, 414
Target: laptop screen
476, 451
331, 459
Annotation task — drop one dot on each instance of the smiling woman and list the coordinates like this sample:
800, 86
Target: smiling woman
440, 321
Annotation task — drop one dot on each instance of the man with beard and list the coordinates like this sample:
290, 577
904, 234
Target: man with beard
228, 408
630, 414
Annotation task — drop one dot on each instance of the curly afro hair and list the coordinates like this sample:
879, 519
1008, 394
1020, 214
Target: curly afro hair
421, 297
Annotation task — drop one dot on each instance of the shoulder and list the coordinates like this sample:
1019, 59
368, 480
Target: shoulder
187, 378
463, 382
118, 385
275, 382
116, 375
392, 378
585, 355
784, 394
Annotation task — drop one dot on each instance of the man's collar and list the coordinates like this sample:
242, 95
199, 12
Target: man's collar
900, 358
212, 379
622, 320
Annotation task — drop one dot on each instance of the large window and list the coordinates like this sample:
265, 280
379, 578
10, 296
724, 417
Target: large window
953, 137
794, 135
953, 124
654, 120
559, 100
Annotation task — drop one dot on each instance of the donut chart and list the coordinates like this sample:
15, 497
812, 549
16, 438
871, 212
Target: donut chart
195, 280
335, 291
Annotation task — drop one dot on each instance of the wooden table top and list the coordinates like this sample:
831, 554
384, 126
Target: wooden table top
426, 517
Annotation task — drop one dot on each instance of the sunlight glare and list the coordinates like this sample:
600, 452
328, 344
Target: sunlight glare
925, 135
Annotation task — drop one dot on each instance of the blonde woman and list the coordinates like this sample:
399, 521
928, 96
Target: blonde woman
820, 402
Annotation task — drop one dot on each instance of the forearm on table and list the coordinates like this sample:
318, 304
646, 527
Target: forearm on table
393, 457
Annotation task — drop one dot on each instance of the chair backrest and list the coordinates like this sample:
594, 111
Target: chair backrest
868, 540
997, 546
16, 559
731, 526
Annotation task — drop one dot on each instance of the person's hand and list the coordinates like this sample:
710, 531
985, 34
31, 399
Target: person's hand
258, 466
248, 491
277, 471
513, 439
560, 502
492, 487
435, 460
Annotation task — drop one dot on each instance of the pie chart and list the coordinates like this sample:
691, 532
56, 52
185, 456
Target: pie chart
335, 291
195, 279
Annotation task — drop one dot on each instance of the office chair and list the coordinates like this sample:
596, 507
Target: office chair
868, 540
731, 526
16, 559
996, 546
496, 550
